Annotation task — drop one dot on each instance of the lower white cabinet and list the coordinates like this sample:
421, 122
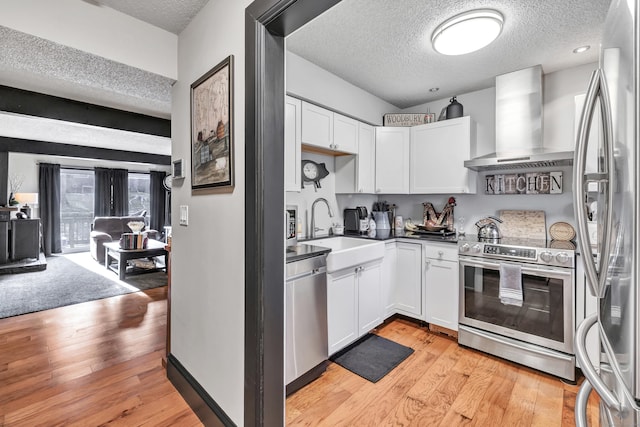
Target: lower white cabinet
441, 280
353, 304
369, 301
388, 277
408, 280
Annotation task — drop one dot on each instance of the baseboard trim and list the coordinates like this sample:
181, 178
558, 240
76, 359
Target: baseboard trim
209, 412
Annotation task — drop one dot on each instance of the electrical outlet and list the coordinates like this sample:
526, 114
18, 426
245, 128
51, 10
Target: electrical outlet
184, 215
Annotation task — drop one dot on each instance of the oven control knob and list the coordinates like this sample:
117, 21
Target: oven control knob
475, 249
562, 257
546, 256
464, 248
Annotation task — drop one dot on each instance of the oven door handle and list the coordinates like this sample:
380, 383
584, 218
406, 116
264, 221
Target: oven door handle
526, 270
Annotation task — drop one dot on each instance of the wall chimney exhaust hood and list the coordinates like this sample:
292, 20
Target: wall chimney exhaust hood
519, 126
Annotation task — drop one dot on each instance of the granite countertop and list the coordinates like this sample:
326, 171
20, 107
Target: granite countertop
392, 234
382, 235
300, 252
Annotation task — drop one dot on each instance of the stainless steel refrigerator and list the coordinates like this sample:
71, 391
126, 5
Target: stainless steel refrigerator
612, 276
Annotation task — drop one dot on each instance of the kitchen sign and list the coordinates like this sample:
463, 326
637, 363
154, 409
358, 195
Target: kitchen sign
524, 183
408, 119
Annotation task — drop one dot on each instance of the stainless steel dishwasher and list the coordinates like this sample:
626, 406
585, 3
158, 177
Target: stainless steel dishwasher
307, 348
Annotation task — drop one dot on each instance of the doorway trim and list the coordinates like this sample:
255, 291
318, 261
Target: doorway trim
267, 23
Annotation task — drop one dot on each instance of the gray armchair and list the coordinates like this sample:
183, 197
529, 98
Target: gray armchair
109, 229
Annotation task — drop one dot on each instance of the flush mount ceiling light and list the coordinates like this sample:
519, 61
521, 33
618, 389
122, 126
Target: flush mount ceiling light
581, 49
467, 32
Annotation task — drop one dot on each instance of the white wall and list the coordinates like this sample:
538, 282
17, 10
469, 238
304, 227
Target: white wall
560, 89
98, 30
306, 80
207, 300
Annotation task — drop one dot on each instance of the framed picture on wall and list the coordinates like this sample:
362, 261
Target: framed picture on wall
212, 128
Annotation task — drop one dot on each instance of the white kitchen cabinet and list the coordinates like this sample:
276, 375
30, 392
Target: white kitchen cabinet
317, 126
354, 304
438, 151
441, 284
369, 298
388, 278
408, 280
345, 134
392, 160
342, 308
292, 143
356, 174
327, 130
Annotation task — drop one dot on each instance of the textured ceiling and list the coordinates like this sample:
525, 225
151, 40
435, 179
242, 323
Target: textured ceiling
40, 65
170, 15
384, 47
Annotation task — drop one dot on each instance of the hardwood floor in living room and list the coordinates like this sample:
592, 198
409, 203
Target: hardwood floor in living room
440, 384
90, 364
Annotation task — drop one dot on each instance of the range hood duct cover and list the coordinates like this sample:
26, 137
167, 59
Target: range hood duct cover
519, 126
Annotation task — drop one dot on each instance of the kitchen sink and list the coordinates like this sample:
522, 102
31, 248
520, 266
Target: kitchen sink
349, 252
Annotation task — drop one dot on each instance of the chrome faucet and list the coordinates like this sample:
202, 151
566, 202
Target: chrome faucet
313, 215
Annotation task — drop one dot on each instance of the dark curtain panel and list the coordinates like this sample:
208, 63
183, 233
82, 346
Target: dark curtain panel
158, 201
49, 196
120, 181
102, 192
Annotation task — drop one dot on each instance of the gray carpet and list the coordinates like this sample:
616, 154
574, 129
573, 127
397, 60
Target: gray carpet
372, 357
64, 283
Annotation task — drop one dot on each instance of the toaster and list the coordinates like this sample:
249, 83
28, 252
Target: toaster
351, 221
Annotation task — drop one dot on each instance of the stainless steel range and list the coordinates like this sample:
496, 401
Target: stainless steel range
517, 302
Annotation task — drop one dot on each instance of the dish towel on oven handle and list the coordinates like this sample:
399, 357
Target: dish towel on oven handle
510, 284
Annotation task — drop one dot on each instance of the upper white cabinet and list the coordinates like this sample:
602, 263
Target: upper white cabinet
356, 174
392, 160
345, 134
438, 151
317, 126
292, 141
441, 280
325, 129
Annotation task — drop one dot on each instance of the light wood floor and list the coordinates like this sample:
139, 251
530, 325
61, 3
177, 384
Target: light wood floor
90, 364
440, 384
99, 363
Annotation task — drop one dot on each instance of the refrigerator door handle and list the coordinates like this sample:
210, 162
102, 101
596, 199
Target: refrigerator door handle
589, 371
597, 89
581, 404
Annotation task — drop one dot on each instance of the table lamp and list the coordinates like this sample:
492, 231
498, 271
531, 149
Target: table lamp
27, 199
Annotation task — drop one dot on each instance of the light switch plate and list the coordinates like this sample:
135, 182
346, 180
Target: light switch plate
184, 215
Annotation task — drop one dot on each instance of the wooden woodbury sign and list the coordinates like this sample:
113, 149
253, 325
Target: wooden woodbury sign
524, 183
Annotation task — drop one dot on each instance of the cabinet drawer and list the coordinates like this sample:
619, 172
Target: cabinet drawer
442, 251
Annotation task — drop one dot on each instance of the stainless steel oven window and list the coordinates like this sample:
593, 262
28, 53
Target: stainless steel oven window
546, 317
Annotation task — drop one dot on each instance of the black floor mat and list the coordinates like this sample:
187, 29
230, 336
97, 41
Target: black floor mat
373, 357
